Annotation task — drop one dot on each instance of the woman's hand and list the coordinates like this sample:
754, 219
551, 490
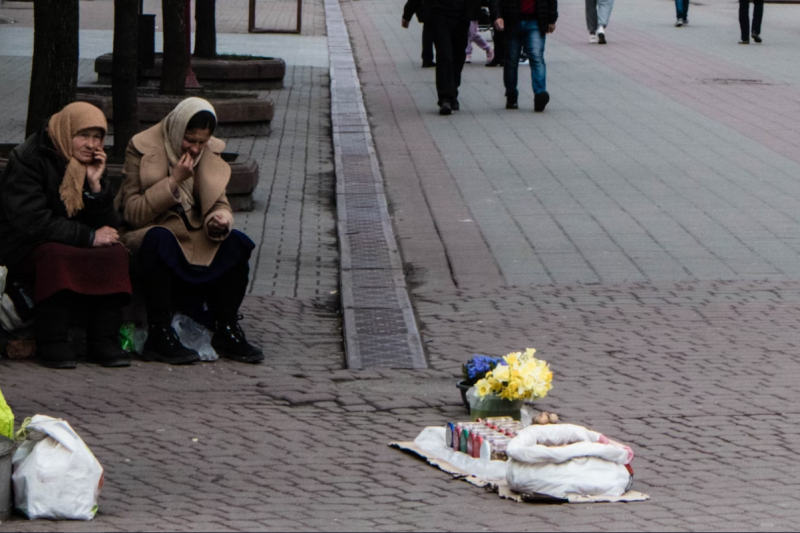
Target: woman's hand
95, 170
218, 225
183, 170
105, 236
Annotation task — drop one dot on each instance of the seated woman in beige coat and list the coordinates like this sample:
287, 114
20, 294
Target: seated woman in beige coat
178, 223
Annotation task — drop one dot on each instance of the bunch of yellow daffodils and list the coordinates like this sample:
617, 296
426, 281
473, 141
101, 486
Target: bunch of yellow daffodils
520, 377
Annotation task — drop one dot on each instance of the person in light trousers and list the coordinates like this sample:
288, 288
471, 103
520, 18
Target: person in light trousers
597, 14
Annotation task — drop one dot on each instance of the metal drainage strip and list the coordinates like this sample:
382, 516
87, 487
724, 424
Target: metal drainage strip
379, 325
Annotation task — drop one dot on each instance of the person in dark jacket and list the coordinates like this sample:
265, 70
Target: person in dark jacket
58, 234
451, 20
525, 24
423, 14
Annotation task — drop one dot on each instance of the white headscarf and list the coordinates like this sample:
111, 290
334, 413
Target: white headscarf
174, 127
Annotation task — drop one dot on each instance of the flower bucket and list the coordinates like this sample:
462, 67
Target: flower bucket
492, 405
463, 387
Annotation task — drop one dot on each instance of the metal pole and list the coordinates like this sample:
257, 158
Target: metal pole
191, 79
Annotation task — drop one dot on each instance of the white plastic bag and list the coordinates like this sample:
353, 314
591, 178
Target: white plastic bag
194, 336
55, 474
9, 318
561, 459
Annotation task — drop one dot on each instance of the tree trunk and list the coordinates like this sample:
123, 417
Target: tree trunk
176, 54
205, 35
124, 74
54, 73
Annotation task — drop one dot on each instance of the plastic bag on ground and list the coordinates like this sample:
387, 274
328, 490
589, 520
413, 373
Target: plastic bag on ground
9, 318
568, 459
6, 419
194, 336
126, 332
55, 475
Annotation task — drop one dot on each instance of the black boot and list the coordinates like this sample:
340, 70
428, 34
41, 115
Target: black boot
229, 342
164, 345
51, 327
104, 317
56, 354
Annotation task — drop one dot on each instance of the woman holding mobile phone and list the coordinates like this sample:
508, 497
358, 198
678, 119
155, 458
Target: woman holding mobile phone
179, 224
58, 234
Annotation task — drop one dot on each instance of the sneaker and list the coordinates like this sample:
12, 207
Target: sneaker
540, 101
744, 41
679, 23
469, 59
455, 105
601, 35
229, 342
756, 37
592, 38
163, 345
685, 21
523, 60
511, 102
445, 108
489, 55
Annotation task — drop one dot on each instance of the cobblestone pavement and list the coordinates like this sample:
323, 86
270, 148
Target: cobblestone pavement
639, 233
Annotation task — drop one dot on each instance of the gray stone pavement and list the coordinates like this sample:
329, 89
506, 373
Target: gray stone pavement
639, 233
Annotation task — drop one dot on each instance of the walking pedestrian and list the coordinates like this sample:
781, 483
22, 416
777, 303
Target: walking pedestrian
525, 24
498, 38
475, 37
744, 20
682, 13
597, 14
451, 20
423, 14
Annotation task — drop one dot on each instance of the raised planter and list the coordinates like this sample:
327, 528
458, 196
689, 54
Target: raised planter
244, 177
224, 71
238, 114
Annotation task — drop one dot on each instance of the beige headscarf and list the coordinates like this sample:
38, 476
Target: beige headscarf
63, 126
174, 127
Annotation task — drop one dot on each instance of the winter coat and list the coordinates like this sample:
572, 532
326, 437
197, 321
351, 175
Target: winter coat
145, 199
31, 209
508, 10
455, 9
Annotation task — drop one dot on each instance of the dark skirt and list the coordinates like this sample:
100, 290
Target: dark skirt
160, 246
54, 267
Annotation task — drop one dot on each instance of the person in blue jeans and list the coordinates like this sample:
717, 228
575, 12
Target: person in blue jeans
525, 24
682, 13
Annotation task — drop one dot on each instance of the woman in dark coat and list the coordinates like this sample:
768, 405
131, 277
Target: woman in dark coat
58, 234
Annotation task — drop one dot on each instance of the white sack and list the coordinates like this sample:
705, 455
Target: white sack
55, 474
587, 476
565, 458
